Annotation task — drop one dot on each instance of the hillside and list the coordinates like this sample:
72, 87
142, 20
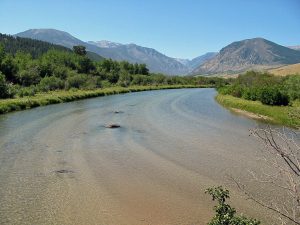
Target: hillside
200, 60
34, 47
256, 53
286, 70
156, 61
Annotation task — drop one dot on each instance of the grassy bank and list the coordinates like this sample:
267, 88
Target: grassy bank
54, 97
283, 115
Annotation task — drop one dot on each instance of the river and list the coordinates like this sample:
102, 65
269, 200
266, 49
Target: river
60, 165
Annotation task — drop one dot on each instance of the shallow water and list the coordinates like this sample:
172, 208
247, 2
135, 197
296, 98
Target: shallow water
60, 165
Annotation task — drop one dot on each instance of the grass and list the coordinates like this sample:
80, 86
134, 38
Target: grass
283, 115
54, 97
286, 70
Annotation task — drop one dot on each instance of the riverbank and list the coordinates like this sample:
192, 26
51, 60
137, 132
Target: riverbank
55, 97
283, 115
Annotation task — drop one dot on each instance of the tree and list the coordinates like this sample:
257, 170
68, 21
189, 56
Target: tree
9, 68
4, 91
281, 157
79, 50
85, 65
143, 69
225, 214
2, 52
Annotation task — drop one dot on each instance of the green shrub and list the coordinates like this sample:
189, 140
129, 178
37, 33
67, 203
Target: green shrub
225, 214
51, 83
26, 91
105, 84
76, 81
60, 72
4, 88
292, 87
273, 96
29, 76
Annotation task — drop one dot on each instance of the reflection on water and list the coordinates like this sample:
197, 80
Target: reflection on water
60, 165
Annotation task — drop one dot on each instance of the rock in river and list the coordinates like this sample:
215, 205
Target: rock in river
113, 126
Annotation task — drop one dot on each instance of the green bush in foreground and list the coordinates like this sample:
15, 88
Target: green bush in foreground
264, 87
225, 214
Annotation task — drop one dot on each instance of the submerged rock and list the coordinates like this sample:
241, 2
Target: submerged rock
64, 171
118, 112
113, 126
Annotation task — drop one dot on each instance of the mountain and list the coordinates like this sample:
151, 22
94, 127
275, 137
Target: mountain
196, 62
59, 38
156, 61
104, 44
183, 61
295, 47
256, 53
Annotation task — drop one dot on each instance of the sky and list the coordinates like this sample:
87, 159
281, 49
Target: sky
177, 28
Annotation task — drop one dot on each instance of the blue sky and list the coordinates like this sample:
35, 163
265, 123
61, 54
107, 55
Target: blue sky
177, 28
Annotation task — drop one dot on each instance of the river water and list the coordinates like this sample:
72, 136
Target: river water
60, 165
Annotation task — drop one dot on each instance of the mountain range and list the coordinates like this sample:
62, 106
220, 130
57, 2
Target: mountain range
156, 61
239, 56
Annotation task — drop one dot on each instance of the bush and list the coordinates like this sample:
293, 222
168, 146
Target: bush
105, 84
50, 84
29, 76
292, 87
4, 89
60, 72
26, 91
273, 96
225, 214
76, 81
124, 79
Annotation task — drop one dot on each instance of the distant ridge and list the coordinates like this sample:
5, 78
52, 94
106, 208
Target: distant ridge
156, 61
256, 53
295, 47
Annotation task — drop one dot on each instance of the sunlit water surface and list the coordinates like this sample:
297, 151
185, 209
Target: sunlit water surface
60, 165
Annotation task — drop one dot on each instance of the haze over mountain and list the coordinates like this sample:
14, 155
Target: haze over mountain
256, 53
295, 47
105, 44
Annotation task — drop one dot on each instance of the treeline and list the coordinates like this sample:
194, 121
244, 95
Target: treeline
264, 87
23, 75
35, 48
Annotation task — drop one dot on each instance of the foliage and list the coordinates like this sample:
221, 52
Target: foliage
273, 96
264, 87
27, 91
288, 115
225, 214
50, 84
79, 50
292, 87
35, 48
4, 93
76, 81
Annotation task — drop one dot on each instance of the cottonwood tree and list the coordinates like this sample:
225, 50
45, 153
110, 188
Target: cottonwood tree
281, 158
